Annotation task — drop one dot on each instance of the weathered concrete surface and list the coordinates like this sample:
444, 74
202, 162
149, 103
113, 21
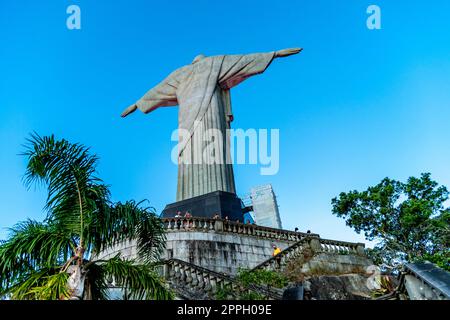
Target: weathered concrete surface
333, 263
344, 287
215, 251
220, 252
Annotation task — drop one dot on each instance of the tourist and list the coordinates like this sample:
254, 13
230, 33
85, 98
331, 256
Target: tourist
178, 216
226, 218
276, 250
187, 222
216, 216
276, 254
308, 232
296, 229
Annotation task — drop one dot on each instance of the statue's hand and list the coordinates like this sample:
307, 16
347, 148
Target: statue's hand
287, 52
129, 110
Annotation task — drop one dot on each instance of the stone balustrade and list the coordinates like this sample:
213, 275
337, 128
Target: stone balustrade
316, 245
189, 224
208, 224
340, 247
197, 279
284, 256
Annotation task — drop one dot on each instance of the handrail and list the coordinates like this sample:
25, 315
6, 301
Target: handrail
210, 224
283, 254
269, 229
322, 245
342, 247
437, 279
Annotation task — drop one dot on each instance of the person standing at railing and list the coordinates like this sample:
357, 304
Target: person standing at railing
276, 254
276, 250
188, 217
178, 216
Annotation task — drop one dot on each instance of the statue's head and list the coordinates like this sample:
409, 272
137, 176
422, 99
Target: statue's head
198, 58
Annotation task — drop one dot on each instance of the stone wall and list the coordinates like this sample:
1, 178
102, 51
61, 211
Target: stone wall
220, 252
333, 263
217, 251
224, 246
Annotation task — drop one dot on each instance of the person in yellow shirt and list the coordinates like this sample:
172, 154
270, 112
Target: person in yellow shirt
276, 250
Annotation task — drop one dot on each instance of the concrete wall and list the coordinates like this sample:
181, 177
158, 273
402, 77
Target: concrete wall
226, 252
217, 251
332, 263
220, 252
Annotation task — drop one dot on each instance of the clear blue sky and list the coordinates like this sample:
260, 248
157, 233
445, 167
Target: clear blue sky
354, 107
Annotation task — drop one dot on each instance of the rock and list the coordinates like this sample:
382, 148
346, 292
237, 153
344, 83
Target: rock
293, 293
343, 287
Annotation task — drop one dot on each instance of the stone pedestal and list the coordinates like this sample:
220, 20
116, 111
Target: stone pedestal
225, 204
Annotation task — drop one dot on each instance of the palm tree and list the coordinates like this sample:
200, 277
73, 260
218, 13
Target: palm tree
59, 257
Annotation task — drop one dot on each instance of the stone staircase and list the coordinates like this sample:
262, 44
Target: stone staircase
192, 282
282, 259
422, 281
202, 255
316, 245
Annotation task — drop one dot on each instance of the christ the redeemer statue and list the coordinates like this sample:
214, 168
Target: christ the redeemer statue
201, 90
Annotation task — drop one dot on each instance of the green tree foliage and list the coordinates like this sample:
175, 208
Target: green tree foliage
40, 260
408, 220
262, 277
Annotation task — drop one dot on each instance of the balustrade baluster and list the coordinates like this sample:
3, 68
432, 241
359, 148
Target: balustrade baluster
171, 271
194, 276
188, 272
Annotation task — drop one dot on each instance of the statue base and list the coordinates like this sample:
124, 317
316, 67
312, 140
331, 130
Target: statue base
224, 204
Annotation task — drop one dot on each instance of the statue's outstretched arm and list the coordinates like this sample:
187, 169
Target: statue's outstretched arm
129, 110
162, 95
287, 52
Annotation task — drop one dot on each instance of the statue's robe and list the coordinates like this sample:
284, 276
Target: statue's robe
201, 90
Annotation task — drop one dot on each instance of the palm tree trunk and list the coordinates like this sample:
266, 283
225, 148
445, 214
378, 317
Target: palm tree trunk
76, 281
77, 278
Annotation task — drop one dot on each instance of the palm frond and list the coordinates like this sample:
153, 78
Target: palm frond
129, 221
96, 284
80, 221
68, 171
31, 246
44, 284
140, 281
